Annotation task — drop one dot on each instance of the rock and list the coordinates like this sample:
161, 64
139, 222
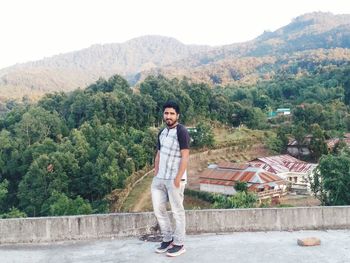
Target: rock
309, 241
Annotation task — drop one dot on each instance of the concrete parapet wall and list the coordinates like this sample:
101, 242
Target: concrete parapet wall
50, 229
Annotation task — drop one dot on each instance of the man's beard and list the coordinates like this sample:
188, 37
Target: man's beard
170, 123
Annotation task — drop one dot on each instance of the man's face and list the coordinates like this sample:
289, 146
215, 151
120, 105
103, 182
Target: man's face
170, 117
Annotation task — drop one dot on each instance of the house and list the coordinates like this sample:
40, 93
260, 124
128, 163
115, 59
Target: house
222, 178
295, 148
302, 149
331, 143
283, 111
287, 167
279, 112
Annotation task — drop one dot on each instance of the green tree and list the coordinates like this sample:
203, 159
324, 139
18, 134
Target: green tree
202, 135
239, 200
13, 213
347, 92
241, 186
44, 176
59, 205
37, 124
299, 134
3, 192
318, 145
330, 183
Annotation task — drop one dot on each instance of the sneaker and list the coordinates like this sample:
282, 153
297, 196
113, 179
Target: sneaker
176, 251
164, 246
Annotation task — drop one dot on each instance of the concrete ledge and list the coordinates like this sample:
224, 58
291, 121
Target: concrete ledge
50, 229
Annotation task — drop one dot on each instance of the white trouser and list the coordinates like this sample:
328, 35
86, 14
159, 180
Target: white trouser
162, 192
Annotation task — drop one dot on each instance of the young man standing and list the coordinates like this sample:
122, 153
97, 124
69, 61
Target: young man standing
170, 179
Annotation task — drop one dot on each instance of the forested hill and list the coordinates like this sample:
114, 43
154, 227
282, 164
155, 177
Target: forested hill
309, 42
69, 71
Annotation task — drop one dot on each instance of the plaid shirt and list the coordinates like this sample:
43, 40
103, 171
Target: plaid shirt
170, 144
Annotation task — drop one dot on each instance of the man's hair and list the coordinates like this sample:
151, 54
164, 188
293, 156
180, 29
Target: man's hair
171, 104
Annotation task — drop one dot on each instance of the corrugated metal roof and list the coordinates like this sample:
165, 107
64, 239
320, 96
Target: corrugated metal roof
230, 165
221, 175
272, 168
282, 164
300, 167
332, 142
279, 159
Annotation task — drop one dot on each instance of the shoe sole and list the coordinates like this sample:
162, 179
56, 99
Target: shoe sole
177, 253
164, 250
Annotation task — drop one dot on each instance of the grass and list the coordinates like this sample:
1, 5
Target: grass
141, 189
228, 136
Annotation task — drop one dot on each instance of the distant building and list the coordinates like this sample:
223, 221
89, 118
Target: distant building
287, 167
331, 143
283, 111
223, 177
297, 149
279, 112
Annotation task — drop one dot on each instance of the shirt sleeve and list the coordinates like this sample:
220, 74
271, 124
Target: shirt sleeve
158, 140
184, 137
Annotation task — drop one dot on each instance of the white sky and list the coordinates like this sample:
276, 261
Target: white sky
34, 29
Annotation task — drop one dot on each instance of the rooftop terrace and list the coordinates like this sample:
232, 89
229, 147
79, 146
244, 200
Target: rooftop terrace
244, 247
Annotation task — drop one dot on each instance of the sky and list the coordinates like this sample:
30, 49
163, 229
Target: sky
32, 30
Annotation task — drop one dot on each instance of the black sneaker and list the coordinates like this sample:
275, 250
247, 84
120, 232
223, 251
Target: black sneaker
176, 251
164, 246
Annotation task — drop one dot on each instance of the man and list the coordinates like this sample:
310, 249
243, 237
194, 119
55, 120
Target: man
170, 179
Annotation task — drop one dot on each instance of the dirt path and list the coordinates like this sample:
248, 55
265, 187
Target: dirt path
143, 202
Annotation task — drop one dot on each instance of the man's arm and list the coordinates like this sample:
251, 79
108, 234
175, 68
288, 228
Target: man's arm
185, 156
156, 164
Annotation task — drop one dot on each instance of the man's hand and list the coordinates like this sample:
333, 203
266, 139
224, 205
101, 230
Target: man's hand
185, 156
177, 182
156, 163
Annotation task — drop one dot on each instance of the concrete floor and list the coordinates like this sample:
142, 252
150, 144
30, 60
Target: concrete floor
271, 247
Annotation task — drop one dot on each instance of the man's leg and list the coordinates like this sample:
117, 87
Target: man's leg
176, 197
159, 201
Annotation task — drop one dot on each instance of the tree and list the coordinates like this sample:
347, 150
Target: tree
239, 200
330, 183
279, 143
37, 124
45, 175
241, 186
347, 92
200, 95
318, 145
202, 135
3, 192
13, 213
299, 134
59, 204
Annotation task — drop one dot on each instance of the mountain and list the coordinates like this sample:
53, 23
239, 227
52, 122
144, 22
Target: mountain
77, 69
309, 42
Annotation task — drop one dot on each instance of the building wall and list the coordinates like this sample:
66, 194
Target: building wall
221, 189
293, 150
50, 229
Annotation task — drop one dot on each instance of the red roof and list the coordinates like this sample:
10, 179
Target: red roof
282, 164
332, 142
229, 176
230, 165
